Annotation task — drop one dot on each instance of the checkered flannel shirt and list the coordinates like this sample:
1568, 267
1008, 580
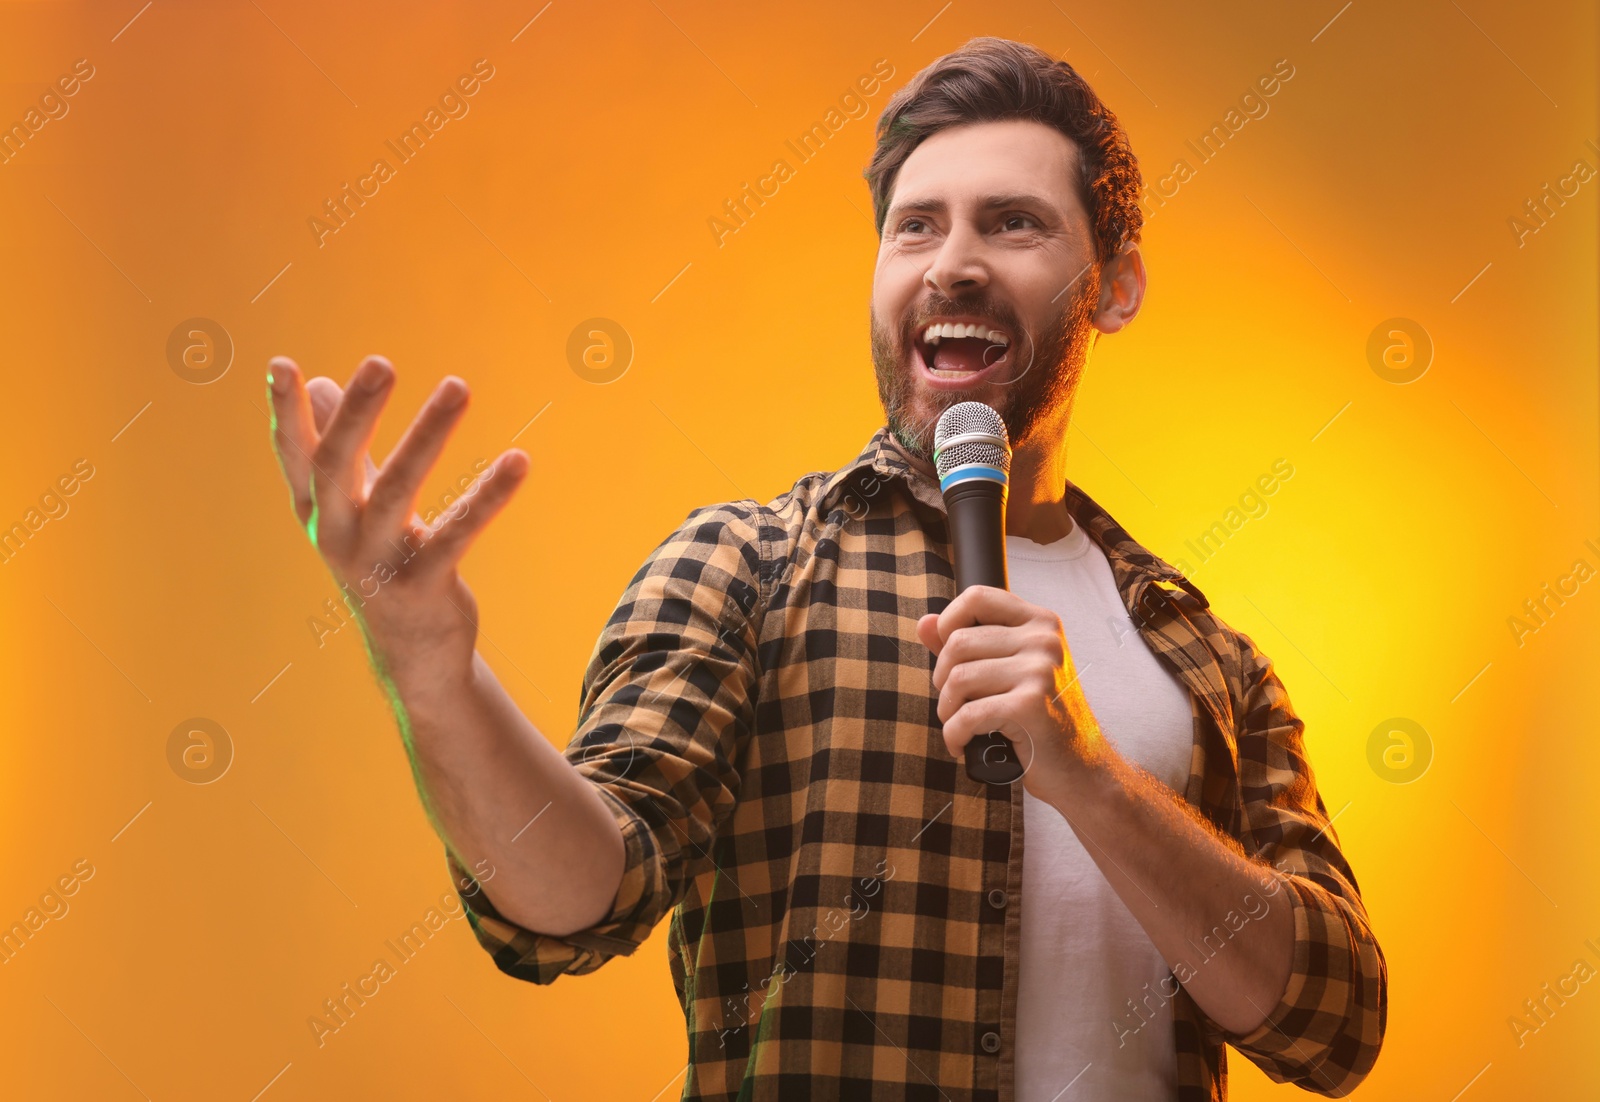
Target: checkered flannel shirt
759, 714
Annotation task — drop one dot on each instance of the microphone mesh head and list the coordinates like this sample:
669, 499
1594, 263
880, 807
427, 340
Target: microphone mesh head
968, 433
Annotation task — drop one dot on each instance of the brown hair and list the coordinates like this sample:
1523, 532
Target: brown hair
991, 79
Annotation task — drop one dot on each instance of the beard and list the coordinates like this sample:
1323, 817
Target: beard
1041, 378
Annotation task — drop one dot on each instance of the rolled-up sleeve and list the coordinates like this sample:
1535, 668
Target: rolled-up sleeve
666, 706
1325, 1032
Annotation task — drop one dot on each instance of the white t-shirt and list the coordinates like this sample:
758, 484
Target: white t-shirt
1086, 963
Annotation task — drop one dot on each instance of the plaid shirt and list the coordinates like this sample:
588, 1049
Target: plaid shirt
760, 716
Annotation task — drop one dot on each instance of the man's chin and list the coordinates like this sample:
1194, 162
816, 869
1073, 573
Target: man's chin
932, 404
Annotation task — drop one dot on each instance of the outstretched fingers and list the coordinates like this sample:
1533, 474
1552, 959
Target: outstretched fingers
322, 434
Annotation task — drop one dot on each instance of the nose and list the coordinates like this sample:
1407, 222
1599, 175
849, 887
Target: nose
958, 267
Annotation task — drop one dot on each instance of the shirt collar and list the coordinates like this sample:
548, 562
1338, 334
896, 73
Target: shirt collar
882, 462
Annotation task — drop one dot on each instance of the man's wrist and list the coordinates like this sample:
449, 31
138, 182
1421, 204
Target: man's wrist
428, 681
1091, 786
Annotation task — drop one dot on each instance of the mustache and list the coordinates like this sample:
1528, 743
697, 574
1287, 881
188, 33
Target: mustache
938, 306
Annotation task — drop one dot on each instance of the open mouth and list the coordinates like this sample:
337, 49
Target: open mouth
955, 351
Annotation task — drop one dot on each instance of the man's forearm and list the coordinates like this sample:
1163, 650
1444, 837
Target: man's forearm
1184, 883
495, 789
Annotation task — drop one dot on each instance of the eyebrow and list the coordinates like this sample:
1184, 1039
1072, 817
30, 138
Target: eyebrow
987, 202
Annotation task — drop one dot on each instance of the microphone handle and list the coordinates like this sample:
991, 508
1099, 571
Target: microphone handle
977, 510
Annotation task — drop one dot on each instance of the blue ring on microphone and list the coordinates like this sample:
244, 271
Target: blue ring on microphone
971, 471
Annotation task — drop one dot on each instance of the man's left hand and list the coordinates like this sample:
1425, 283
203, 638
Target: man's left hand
1004, 665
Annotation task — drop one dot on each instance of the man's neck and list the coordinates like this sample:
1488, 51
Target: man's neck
1035, 505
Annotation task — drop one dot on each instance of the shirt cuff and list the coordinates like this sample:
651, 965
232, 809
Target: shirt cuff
540, 958
1325, 1031
1270, 1037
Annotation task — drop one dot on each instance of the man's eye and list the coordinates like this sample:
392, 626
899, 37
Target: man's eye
913, 225
1013, 221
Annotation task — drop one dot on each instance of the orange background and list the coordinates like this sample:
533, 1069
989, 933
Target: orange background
179, 184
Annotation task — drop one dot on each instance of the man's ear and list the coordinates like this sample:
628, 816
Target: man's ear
1122, 283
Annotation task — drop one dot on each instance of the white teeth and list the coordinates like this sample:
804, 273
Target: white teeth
935, 333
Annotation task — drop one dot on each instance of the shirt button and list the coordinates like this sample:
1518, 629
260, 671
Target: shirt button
997, 899
990, 1041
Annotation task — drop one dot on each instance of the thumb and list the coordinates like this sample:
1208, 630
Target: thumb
928, 632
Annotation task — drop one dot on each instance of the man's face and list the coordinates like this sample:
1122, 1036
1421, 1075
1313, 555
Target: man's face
984, 229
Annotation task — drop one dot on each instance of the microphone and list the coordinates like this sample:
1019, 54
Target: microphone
972, 455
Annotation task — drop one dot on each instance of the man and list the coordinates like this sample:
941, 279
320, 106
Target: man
772, 721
